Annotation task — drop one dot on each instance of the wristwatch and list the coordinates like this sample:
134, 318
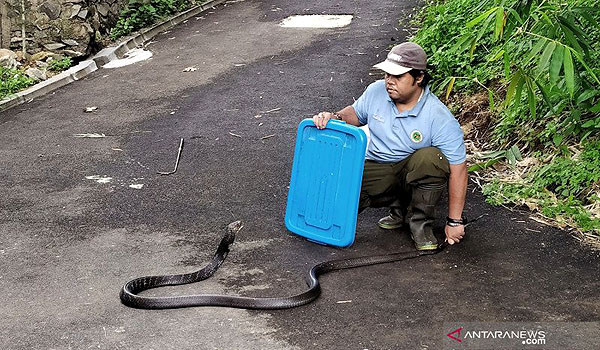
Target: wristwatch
337, 116
455, 222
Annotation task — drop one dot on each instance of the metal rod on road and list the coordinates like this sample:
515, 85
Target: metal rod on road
176, 162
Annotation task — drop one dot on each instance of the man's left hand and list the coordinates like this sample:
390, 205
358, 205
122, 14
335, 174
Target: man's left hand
454, 233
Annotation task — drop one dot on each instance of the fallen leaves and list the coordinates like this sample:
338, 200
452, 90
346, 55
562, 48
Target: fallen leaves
271, 110
91, 136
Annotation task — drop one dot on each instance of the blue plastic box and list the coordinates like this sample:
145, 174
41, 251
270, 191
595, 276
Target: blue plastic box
325, 182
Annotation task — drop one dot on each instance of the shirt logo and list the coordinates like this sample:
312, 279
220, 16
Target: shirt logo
378, 118
416, 136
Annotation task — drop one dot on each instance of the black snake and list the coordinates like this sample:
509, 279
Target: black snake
130, 291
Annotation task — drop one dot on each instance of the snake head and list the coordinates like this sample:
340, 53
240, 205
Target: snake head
235, 226
232, 229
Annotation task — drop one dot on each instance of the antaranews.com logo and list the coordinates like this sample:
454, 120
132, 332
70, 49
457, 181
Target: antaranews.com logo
528, 337
522, 335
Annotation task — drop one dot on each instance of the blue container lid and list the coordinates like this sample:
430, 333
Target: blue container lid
325, 182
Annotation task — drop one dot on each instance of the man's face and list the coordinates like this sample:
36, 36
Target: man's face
401, 88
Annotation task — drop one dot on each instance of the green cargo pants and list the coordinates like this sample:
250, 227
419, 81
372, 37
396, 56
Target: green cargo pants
387, 184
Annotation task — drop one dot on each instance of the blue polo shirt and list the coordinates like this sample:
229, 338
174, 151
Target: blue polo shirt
395, 136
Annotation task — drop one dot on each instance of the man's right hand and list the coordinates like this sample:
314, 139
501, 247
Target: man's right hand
321, 119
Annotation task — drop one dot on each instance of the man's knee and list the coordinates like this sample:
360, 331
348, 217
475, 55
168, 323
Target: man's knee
379, 185
427, 165
378, 179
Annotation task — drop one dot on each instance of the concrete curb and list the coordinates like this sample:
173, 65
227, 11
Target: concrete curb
101, 58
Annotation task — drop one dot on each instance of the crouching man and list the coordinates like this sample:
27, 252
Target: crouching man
416, 149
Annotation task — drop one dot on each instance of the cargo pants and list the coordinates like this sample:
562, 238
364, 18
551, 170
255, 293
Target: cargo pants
390, 184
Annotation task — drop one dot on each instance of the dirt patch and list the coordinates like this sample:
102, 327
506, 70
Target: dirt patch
475, 117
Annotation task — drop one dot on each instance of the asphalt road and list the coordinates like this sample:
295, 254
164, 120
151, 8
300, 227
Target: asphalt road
81, 216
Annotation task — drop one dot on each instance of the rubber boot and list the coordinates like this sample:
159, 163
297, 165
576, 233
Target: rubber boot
392, 221
396, 218
421, 215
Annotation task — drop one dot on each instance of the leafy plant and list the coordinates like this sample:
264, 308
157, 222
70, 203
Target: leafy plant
443, 23
560, 190
539, 61
12, 81
142, 13
512, 156
563, 210
545, 54
60, 65
538, 53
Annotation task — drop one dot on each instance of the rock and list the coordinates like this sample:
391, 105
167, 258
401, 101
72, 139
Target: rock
102, 9
77, 37
54, 56
39, 19
75, 10
72, 53
70, 42
83, 14
23, 57
51, 8
8, 59
115, 9
7, 52
42, 65
98, 35
95, 21
36, 74
53, 46
40, 35
40, 56
78, 32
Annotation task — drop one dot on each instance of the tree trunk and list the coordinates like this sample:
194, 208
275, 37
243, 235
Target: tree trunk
4, 26
23, 34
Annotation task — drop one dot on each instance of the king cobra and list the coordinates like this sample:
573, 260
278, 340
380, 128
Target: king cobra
130, 291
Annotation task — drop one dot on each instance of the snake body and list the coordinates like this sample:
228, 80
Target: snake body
130, 291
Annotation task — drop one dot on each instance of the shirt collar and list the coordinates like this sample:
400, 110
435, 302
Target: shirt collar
413, 112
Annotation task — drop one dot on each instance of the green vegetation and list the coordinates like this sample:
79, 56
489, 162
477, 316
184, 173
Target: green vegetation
60, 65
539, 63
142, 13
12, 81
15, 80
565, 190
138, 14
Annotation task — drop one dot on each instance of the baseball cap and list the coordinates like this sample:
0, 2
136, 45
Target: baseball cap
403, 58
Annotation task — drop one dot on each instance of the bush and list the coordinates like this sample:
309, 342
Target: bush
542, 56
142, 13
13, 81
539, 61
443, 24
